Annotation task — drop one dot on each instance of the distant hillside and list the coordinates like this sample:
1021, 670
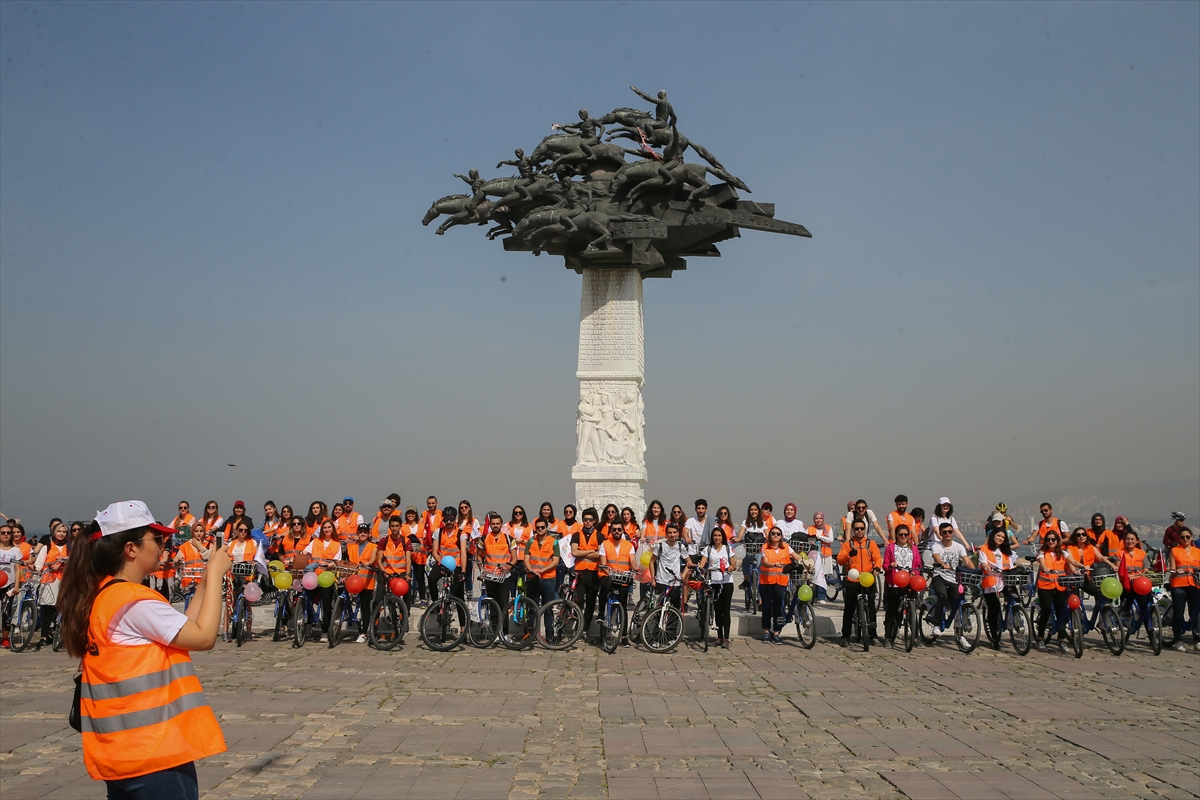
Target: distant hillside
1146, 504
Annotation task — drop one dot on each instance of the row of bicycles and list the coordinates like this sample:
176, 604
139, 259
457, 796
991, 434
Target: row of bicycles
25, 612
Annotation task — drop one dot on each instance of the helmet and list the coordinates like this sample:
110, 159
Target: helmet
449, 514
1002, 508
1175, 515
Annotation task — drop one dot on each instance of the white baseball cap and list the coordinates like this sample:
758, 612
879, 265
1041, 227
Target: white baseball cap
942, 500
126, 516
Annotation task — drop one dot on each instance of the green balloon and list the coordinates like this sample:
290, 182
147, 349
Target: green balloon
1110, 587
804, 593
326, 579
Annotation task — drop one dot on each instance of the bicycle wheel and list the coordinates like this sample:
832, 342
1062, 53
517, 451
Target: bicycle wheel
1020, 631
335, 621
862, 632
281, 619
927, 630
484, 632
662, 629
437, 625
1156, 630
610, 631
299, 622
24, 623
521, 624
806, 625
1112, 630
383, 629
968, 627
704, 618
562, 624
637, 618
908, 624
239, 621
1077, 632
832, 590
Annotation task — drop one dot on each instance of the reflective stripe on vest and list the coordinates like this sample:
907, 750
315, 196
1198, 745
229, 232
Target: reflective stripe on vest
619, 556
770, 566
363, 555
1057, 564
496, 550
393, 557
56, 556
448, 545
141, 706
540, 556
586, 543
1185, 558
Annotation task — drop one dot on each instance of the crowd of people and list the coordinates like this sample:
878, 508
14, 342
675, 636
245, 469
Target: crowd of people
661, 547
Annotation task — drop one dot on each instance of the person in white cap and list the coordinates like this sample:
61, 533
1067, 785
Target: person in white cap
944, 512
143, 716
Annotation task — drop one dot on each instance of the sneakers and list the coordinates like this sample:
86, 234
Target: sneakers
1040, 645
766, 637
776, 640
889, 643
1178, 647
360, 639
1062, 645
725, 643
844, 641
625, 642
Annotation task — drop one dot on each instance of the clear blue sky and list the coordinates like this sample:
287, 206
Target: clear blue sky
210, 252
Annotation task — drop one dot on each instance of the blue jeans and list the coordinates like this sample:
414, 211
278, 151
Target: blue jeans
1185, 597
177, 783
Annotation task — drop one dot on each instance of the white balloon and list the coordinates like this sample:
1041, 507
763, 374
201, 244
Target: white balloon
852, 575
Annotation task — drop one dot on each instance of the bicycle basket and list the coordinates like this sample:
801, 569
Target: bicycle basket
753, 548
1100, 571
1017, 579
803, 544
970, 579
1070, 581
1156, 578
495, 577
243, 569
191, 573
622, 577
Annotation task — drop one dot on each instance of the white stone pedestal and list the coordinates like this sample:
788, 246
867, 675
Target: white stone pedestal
610, 457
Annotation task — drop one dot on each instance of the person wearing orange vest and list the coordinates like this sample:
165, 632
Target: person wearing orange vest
10, 560
616, 555
899, 517
1048, 523
541, 564
1133, 566
364, 553
418, 553
295, 541
995, 558
185, 519
324, 552
555, 526
585, 549
243, 550
1183, 564
823, 569
191, 558
861, 554
450, 541
379, 525
499, 555
273, 526
573, 526
142, 713
229, 527
51, 561
1052, 596
774, 566
346, 525
1108, 541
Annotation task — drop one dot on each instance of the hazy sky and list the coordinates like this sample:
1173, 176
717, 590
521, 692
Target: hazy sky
211, 252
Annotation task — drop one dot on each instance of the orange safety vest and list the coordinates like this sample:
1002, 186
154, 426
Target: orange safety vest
192, 557
1055, 564
1047, 525
448, 546
895, 519
379, 527
393, 556
867, 559
326, 551
179, 522
1135, 561
345, 526
770, 567
166, 563
587, 544
539, 556
314, 530
521, 534
653, 533
1189, 557
496, 550
56, 557
247, 553
141, 706
826, 549
572, 529
290, 546
1085, 555
430, 525
364, 556
617, 555
416, 543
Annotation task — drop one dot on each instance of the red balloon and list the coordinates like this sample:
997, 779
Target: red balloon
4, 579
901, 578
1141, 585
1073, 602
918, 583
355, 583
398, 586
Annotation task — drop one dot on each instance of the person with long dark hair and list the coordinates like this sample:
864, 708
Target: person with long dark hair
1052, 596
995, 558
718, 564
143, 715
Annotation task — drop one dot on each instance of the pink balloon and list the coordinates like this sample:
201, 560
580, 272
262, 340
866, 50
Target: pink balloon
253, 592
309, 581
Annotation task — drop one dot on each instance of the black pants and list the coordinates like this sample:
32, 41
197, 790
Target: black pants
458, 586
892, 595
947, 595
1181, 597
323, 595
177, 782
992, 614
49, 614
418, 574
587, 585
772, 595
607, 587
853, 590
499, 593
722, 597
366, 601
1142, 601
1055, 599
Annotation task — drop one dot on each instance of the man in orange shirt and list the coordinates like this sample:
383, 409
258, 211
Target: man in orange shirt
431, 521
861, 554
347, 524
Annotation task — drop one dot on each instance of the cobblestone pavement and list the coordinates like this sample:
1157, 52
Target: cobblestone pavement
755, 721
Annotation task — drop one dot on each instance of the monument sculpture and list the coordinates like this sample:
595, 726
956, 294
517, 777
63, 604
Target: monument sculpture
615, 221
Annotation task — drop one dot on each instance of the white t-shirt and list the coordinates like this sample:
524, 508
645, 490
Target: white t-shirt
7, 557
145, 621
935, 522
790, 528
719, 557
237, 549
761, 527
951, 556
669, 562
695, 529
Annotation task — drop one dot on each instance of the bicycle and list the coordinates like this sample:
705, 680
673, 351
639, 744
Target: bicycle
184, 594
663, 627
1072, 622
612, 620
25, 613
239, 615
343, 603
389, 612
485, 623
753, 543
1131, 615
860, 623
305, 614
561, 620
1104, 614
436, 625
520, 619
964, 614
640, 609
1014, 618
801, 611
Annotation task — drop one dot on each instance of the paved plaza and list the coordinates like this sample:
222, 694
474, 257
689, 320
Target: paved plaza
755, 721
